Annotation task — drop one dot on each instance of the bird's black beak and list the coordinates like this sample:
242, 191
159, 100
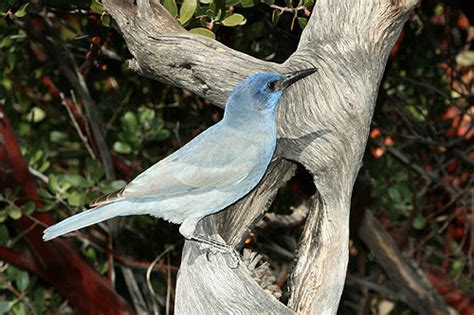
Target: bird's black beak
292, 77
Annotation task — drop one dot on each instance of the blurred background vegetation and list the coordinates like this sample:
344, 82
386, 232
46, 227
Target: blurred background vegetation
63, 72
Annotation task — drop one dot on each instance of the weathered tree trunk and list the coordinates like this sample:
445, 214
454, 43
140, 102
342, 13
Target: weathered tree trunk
323, 122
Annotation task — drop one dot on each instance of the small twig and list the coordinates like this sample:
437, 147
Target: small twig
386, 292
150, 268
285, 9
38, 174
141, 265
83, 137
427, 86
168, 287
405, 160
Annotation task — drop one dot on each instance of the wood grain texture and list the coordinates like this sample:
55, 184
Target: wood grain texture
323, 123
209, 288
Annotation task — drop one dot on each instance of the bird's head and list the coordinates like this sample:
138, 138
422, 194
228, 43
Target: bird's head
260, 93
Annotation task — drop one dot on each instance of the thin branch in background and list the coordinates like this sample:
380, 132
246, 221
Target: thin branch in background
19, 259
384, 291
169, 287
152, 265
39, 175
82, 136
426, 86
21, 296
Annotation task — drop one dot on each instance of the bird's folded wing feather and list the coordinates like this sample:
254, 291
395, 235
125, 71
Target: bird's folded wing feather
197, 167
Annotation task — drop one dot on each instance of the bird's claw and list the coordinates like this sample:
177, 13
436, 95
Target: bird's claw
212, 251
215, 247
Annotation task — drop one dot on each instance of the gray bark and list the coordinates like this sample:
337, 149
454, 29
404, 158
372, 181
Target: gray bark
323, 123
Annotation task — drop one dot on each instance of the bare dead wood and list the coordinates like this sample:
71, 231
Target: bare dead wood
323, 123
413, 288
299, 214
212, 281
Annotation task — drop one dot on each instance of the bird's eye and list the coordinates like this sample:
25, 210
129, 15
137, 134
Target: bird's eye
271, 85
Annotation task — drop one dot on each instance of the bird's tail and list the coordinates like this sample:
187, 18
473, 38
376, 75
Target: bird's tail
89, 217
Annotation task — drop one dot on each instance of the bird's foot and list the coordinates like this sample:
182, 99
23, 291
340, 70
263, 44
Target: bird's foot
219, 246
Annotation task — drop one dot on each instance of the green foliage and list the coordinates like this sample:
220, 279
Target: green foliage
205, 16
203, 32
143, 121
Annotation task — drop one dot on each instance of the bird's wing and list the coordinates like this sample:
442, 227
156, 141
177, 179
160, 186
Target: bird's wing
209, 162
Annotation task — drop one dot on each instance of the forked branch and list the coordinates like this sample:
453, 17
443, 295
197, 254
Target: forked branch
324, 122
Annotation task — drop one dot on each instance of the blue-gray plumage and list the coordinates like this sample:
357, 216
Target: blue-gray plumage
211, 172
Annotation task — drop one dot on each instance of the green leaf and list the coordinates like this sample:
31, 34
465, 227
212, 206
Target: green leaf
117, 184
7, 41
75, 180
53, 183
107, 186
29, 207
275, 16
7, 84
76, 198
36, 115
203, 32
130, 122
97, 7
22, 281
57, 136
232, 3
419, 222
14, 213
146, 116
205, 1
171, 6
22, 10
18, 308
456, 267
248, 3
234, 20
8, 193
5, 306
302, 22
122, 147
4, 235
186, 11
3, 216
95, 171
394, 194
105, 20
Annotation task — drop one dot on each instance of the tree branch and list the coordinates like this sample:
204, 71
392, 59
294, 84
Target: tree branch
323, 121
18, 259
416, 291
56, 261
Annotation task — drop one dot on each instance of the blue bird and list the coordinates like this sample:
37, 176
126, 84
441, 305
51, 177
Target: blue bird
214, 170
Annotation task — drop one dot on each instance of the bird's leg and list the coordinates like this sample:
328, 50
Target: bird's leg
210, 242
219, 245
187, 229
